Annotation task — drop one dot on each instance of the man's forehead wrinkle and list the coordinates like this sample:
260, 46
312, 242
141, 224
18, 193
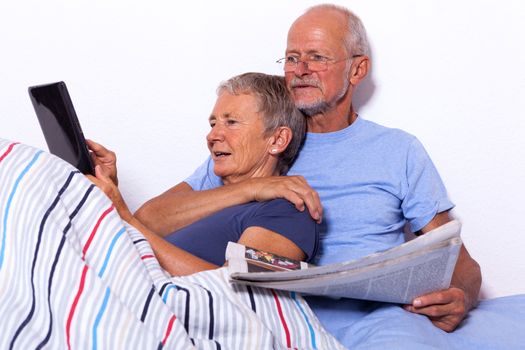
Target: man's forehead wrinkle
319, 35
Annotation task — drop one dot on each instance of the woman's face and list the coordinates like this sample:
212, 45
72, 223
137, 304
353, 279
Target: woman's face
237, 143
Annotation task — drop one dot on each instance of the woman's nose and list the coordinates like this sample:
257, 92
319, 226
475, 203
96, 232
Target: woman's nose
215, 134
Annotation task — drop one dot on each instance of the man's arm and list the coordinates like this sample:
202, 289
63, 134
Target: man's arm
181, 206
447, 308
179, 262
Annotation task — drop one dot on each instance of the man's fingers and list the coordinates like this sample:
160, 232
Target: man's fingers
446, 296
295, 189
308, 196
295, 199
446, 309
433, 310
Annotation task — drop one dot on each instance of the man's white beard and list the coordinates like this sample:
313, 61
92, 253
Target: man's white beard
313, 108
319, 107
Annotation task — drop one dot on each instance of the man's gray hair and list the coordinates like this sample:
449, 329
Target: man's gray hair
276, 106
356, 41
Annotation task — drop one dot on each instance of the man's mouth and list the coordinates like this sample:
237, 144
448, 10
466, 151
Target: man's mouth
302, 86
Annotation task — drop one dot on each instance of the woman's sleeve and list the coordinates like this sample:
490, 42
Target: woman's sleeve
281, 216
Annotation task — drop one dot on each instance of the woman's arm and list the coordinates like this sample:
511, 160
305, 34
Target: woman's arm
177, 261
270, 241
172, 258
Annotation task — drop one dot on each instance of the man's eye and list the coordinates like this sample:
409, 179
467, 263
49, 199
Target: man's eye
292, 59
318, 58
231, 122
212, 125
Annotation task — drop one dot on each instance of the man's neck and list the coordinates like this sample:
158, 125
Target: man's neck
330, 121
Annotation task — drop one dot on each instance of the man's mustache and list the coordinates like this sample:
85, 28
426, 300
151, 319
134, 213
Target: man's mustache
304, 82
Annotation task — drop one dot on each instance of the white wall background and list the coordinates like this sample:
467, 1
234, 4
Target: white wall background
142, 75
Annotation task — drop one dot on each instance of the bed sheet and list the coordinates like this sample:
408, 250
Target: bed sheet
74, 275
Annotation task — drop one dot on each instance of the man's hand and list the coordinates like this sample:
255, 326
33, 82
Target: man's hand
295, 189
105, 158
446, 309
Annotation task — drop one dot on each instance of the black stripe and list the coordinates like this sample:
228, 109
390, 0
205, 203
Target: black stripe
139, 240
146, 305
35, 257
212, 318
252, 299
164, 286
55, 262
187, 308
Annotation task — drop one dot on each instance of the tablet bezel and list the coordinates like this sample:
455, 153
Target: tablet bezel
60, 126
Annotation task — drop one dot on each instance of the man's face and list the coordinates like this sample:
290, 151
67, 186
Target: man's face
312, 35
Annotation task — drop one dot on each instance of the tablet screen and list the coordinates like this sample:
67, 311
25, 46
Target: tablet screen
60, 125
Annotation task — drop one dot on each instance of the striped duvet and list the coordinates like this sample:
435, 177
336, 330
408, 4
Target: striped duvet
73, 275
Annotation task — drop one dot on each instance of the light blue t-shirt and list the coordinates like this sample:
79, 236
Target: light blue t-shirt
371, 180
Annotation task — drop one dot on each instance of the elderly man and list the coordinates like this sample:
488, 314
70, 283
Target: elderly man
371, 181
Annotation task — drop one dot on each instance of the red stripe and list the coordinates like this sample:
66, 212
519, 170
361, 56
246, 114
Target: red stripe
168, 331
90, 239
9, 149
144, 257
74, 306
283, 321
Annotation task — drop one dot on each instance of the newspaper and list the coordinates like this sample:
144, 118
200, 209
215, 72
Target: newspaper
398, 275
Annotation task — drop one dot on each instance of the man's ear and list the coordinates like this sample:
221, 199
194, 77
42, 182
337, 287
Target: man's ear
359, 70
280, 139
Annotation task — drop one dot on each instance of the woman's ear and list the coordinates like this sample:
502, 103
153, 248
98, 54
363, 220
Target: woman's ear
280, 140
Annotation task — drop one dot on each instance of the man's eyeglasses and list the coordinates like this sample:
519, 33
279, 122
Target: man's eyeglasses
314, 63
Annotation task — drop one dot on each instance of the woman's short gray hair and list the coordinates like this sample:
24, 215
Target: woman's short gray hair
276, 106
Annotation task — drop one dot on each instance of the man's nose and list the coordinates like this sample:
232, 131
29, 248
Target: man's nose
302, 68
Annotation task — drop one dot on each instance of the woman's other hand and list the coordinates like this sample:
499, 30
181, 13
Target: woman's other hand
106, 184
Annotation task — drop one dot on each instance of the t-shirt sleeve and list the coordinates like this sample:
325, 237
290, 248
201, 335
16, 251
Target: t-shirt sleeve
203, 178
426, 194
282, 217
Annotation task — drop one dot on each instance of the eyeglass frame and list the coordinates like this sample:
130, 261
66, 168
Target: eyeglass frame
306, 62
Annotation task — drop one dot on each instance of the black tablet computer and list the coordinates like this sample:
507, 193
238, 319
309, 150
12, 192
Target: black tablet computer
60, 125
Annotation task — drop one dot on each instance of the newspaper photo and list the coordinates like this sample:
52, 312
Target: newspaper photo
398, 275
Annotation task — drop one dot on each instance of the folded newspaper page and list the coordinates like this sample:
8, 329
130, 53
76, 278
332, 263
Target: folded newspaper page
398, 275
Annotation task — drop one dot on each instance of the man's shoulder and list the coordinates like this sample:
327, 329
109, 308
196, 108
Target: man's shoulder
374, 128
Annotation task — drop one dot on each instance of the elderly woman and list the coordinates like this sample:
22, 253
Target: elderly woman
75, 275
255, 132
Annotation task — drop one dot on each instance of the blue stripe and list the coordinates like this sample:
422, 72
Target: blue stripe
167, 291
8, 206
99, 317
310, 328
110, 250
